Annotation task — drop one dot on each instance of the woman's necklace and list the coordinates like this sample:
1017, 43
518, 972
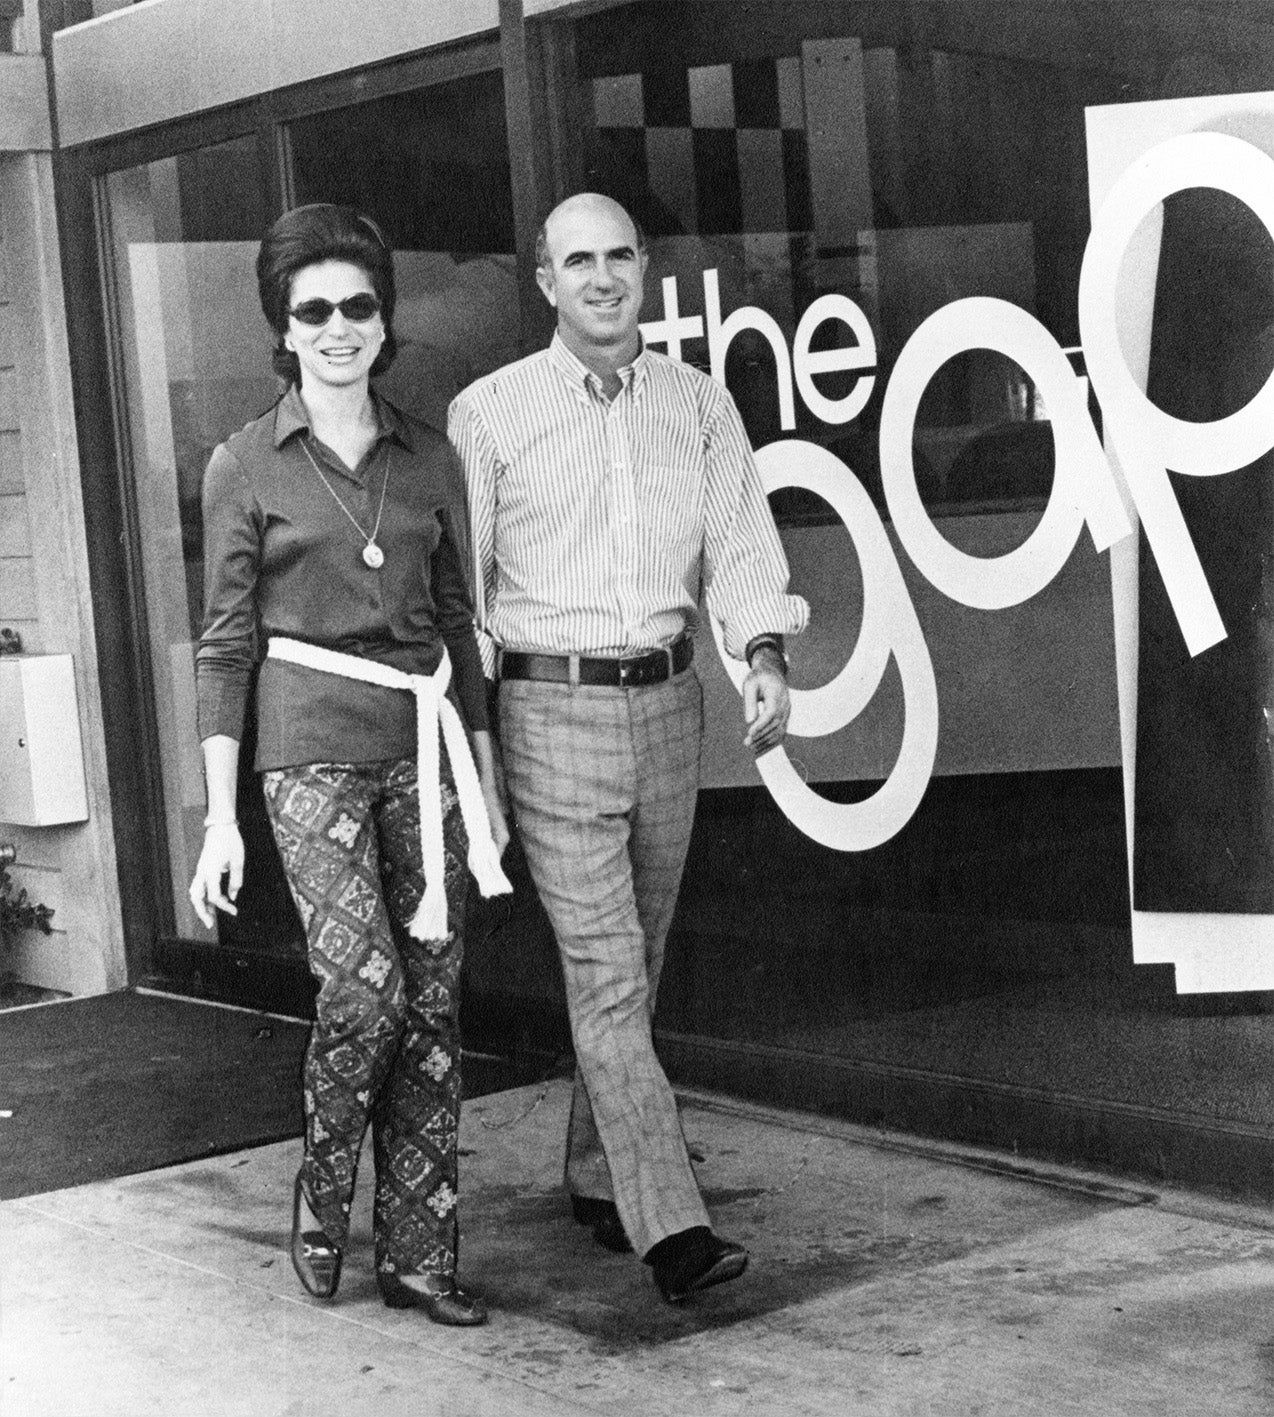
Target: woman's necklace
372, 554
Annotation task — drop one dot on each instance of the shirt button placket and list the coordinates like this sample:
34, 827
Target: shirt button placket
624, 514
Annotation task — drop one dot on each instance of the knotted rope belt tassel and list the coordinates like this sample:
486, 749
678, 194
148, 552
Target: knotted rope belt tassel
434, 711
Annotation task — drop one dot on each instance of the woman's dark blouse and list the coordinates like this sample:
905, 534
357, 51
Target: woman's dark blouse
281, 558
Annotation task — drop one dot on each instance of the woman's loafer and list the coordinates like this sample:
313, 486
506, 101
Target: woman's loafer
439, 1296
316, 1260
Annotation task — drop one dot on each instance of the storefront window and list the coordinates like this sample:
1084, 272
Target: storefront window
902, 157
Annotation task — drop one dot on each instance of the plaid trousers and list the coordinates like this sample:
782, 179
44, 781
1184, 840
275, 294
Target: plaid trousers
603, 783
385, 1047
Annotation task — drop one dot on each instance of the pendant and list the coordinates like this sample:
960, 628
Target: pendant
373, 555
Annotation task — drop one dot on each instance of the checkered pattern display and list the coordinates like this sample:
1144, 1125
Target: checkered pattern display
717, 150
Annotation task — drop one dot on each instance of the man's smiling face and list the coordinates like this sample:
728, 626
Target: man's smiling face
593, 275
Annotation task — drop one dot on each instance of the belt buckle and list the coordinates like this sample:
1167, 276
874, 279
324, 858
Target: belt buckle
626, 668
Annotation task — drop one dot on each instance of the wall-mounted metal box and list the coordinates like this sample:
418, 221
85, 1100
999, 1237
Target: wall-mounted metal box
41, 758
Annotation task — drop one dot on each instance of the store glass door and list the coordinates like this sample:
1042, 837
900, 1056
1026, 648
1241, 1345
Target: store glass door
191, 364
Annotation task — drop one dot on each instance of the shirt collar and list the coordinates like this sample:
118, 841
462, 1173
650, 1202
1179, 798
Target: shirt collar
581, 377
291, 418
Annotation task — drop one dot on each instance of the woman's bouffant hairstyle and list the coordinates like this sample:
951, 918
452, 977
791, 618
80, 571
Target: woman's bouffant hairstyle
308, 236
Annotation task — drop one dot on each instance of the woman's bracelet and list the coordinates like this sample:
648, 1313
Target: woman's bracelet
211, 821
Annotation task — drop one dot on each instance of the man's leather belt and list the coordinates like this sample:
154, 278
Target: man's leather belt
652, 668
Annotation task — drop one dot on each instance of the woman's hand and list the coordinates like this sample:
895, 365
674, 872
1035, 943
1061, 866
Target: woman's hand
496, 815
486, 759
219, 874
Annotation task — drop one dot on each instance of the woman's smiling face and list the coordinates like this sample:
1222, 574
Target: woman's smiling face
341, 351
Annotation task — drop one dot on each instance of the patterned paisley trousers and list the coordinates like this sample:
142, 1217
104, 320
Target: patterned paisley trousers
385, 1048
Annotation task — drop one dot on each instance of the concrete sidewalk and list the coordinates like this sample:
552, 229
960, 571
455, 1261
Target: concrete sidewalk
888, 1277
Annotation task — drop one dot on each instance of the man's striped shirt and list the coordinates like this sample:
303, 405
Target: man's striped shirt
596, 524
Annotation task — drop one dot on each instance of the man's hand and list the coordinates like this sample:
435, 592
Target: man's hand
766, 702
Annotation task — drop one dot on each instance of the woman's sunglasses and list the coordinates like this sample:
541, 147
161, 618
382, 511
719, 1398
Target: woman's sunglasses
319, 312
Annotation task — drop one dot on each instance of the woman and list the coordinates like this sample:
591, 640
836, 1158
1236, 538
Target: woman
337, 525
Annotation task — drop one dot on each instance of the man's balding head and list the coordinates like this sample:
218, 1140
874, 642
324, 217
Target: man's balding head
591, 267
584, 201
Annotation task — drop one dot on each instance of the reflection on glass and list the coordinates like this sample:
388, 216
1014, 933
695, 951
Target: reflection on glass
431, 166
456, 318
195, 367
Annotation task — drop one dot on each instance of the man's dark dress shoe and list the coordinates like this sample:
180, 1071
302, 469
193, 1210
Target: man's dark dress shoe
441, 1298
316, 1260
603, 1219
692, 1260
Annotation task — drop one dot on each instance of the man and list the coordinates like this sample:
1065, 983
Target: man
605, 483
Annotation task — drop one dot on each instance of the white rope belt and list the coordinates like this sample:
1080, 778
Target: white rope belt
434, 711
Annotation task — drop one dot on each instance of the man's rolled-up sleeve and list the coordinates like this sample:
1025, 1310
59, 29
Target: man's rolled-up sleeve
745, 567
